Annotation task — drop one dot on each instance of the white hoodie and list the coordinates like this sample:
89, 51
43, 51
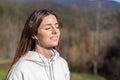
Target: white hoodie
34, 66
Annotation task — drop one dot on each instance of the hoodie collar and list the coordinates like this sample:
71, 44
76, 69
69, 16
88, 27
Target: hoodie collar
39, 58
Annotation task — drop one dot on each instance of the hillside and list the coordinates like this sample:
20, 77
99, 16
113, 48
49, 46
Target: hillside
91, 5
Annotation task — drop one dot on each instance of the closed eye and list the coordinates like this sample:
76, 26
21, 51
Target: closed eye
47, 26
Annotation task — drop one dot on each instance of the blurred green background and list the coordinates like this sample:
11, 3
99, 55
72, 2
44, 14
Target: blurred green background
90, 39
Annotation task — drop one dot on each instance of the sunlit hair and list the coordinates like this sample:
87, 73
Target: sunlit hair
30, 29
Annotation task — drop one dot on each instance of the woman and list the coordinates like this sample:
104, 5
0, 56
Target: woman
36, 57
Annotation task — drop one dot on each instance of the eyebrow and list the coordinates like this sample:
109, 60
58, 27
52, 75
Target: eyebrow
50, 24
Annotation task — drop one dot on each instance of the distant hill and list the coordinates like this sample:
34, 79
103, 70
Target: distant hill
94, 4
91, 5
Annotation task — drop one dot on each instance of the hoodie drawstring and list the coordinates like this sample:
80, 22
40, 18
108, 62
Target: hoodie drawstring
53, 72
50, 75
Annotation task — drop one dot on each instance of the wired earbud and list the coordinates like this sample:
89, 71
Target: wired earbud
35, 37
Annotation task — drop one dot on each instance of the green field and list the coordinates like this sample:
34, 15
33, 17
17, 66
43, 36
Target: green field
4, 65
4, 60
3, 74
84, 76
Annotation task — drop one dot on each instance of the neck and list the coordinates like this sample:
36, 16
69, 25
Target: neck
44, 51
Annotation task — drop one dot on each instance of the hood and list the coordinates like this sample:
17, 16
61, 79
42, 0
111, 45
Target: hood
39, 58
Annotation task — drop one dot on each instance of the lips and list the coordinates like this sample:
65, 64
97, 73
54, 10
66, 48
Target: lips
55, 38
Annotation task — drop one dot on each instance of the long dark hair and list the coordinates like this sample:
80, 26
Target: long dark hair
30, 29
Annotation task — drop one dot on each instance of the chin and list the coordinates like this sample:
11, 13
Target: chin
54, 45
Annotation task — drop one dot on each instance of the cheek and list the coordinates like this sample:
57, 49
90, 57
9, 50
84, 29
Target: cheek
59, 33
44, 36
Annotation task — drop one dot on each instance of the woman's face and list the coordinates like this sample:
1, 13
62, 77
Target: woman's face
48, 32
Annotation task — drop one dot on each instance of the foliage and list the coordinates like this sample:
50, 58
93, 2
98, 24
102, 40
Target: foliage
1, 11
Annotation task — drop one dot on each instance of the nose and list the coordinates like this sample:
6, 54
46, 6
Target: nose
54, 30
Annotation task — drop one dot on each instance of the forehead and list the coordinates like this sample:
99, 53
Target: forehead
49, 17
49, 20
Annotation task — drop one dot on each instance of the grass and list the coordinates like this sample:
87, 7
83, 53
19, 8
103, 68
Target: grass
3, 60
4, 67
92, 77
84, 76
3, 74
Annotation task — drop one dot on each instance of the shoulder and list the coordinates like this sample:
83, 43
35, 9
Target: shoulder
63, 62
64, 66
58, 58
17, 70
19, 66
61, 59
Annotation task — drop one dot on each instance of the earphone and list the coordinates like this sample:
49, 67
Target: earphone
35, 37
